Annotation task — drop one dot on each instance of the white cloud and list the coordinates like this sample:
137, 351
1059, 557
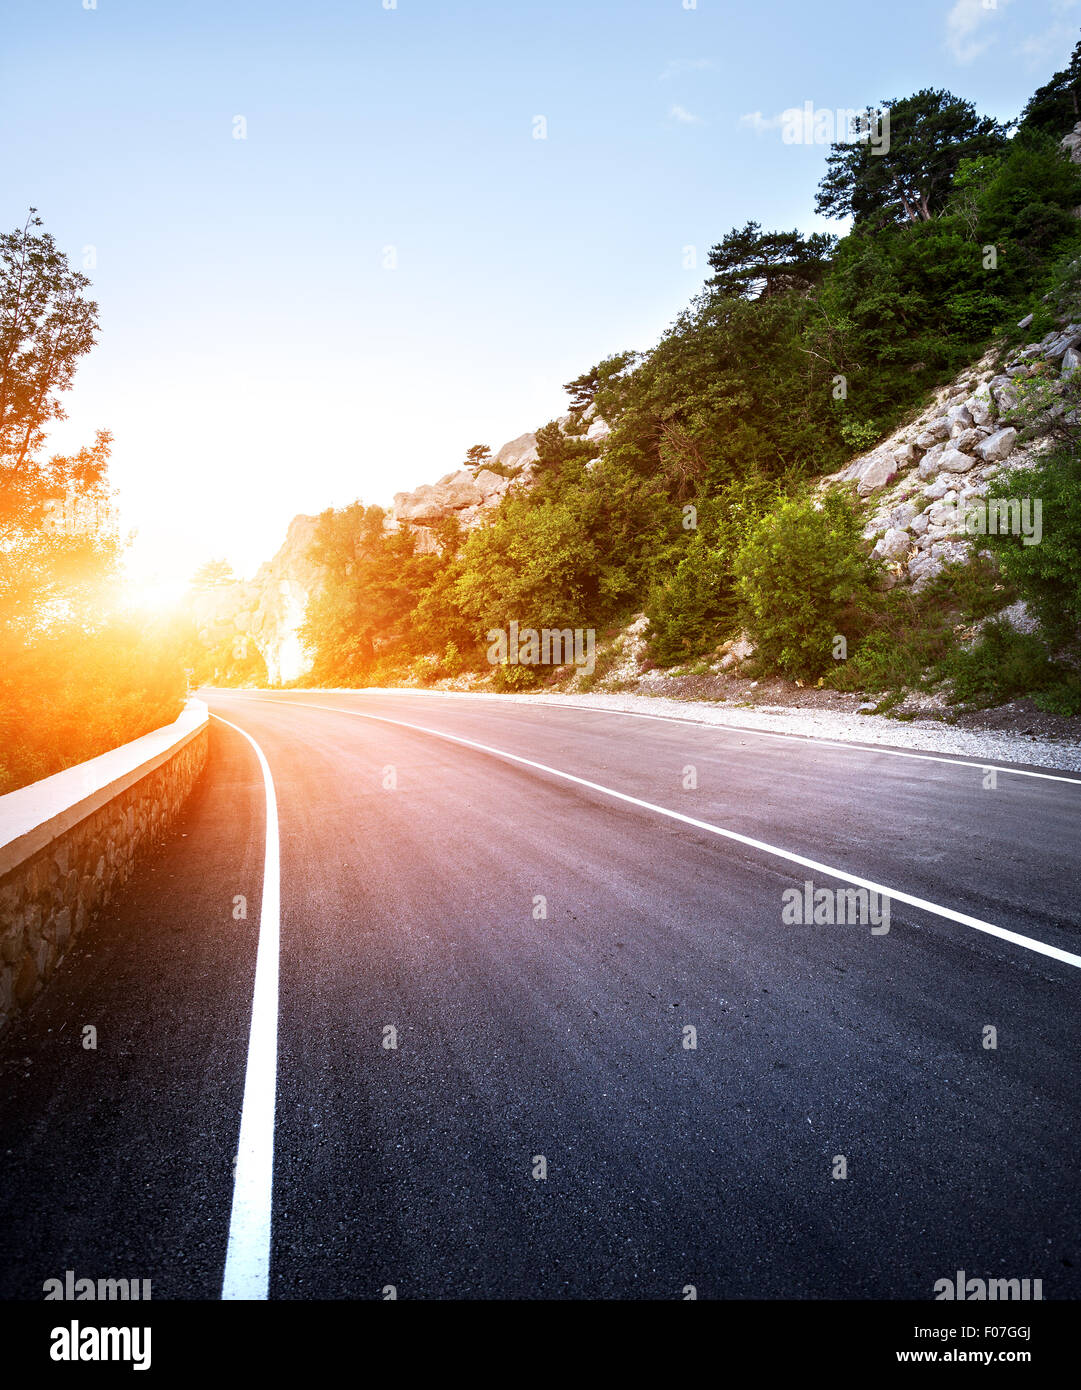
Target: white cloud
685, 117
681, 65
966, 36
754, 120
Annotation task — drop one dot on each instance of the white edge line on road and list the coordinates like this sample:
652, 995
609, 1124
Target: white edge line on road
1029, 943
810, 739
247, 1258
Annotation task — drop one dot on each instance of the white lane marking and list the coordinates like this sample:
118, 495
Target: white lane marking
247, 1259
895, 895
809, 739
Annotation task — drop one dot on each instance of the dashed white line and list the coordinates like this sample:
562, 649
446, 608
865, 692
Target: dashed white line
895, 895
247, 1258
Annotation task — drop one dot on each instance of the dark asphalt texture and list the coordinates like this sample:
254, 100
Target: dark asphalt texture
413, 906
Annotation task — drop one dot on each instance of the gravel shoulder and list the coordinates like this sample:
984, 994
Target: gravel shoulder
982, 744
1015, 733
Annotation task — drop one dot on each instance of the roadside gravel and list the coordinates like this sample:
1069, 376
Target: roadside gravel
926, 735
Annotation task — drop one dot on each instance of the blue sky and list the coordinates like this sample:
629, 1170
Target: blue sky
390, 267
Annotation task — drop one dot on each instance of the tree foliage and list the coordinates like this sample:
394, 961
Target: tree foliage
76, 678
909, 180
1055, 108
750, 263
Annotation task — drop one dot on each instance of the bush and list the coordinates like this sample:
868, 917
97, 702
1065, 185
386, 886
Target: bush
424, 670
1048, 575
72, 695
508, 678
803, 578
1006, 664
690, 611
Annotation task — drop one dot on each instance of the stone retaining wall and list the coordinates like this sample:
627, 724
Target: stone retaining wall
67, 843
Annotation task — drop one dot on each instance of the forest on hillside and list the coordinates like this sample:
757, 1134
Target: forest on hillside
796, 353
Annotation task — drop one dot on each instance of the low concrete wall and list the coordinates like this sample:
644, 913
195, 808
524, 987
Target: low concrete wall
69, 841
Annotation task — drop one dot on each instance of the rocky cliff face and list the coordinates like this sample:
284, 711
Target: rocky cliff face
266, 610
269, 609
924, 478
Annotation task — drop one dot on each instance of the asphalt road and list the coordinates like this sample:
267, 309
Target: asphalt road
411, 871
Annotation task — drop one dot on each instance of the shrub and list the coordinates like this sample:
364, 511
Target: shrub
508, 678
72, 695
1048, 575
1006, 664
802, 577
689, 611
424, 669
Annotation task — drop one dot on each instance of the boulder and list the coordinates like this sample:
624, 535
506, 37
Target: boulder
954, 461
1071, 143
1070, 337
967, 440
935, 430
520, 452
735, 651
942, 516
881, 470
931, 461
922, 569
893, 545
996, 446
981, 406
492, 485
424, 541
1004, 395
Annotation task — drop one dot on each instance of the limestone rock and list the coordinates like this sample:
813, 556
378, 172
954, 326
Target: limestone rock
932, 460
1070, 337
935, 430
893, 545
981, 406
430, 502
492, 485
996, 446
954, 461
1004, 395
881, 470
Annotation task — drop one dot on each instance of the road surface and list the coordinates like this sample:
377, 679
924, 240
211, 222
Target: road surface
539, 939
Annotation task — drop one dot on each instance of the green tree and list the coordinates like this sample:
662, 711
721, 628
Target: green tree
929, 134
47, 324
1056, 106
600, 388
476, 457
51, 553
751, 263
77, 677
